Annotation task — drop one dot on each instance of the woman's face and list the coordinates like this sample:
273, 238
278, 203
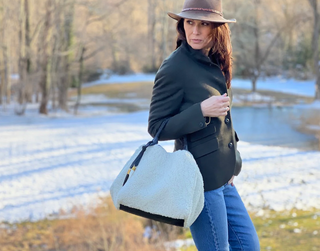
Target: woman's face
198, 33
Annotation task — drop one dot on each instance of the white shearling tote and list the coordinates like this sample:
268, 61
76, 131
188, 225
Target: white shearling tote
161, 186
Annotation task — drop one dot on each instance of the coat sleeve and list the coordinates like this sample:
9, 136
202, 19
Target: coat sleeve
167, 99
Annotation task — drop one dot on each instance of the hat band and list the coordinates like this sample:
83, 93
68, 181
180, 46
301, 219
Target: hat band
201, 9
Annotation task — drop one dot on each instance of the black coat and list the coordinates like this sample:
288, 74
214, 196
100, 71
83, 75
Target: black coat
184, 80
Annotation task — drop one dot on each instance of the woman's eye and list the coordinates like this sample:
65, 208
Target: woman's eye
189, 22
205, 24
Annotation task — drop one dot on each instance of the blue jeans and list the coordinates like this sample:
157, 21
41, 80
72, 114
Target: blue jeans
224, 223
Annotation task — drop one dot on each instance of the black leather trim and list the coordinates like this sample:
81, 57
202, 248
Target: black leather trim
238, 165
236, 136
156, 217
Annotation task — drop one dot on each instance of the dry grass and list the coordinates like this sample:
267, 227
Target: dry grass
103, 229
138, 90
280, 99
311, 124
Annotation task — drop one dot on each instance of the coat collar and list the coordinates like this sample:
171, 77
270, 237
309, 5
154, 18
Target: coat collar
196, 54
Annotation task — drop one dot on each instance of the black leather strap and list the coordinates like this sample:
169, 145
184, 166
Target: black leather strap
156, 138
168, 220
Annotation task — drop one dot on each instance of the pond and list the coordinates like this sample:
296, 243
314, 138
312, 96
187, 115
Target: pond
276, 126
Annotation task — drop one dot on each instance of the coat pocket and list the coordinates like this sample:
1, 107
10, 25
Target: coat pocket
204, 147
210, 129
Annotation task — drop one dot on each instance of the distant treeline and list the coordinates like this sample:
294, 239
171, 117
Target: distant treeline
57, 44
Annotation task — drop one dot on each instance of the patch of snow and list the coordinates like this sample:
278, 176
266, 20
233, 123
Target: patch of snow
91, 105
177, 244
48, 164
252, 97
304, 88
313, 127
14, 76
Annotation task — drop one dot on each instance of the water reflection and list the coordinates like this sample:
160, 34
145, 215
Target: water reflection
273, 126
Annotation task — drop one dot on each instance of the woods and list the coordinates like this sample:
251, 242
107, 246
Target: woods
48, 47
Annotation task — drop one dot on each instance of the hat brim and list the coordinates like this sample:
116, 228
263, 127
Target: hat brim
201, 15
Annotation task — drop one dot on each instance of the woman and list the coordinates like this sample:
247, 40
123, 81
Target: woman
192, 88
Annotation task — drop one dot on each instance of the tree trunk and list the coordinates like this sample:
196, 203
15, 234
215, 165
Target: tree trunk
2, 78
315, 45
315, 48
4, 72
317, 97
8, 74
44, 63
20, 109
55, 58
164, 38
114, 53
254, 84
65, 60
80, 80
2, 85
53, 71
257, 54
151, 31
29, 88
1, 90
7, 79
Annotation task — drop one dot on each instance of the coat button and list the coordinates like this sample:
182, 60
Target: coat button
201, 124
230, 145
227, 120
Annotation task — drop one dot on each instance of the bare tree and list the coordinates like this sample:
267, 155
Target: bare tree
80, 79
24, 56
2, 67
151, 32
315, 44
58, 47
44, 59
67, 35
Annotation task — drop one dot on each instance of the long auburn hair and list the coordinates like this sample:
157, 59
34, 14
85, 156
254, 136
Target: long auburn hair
222, 48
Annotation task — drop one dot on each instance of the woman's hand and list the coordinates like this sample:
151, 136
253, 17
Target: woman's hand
216, 106
231, 180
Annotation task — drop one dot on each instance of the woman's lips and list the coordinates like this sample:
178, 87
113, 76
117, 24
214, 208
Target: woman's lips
196, 41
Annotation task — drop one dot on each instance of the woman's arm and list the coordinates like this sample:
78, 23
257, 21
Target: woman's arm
167, 98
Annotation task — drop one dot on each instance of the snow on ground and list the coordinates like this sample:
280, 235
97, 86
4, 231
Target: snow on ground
115, 79
278, 84
252, 97
49, 163
313, 127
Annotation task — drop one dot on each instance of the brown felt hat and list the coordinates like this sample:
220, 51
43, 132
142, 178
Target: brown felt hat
205, 10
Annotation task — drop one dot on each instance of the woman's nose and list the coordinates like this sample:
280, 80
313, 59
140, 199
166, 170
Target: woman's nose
196, 30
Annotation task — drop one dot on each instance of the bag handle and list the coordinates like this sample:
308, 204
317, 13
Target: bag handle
153, 142
156, 138
163, 124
